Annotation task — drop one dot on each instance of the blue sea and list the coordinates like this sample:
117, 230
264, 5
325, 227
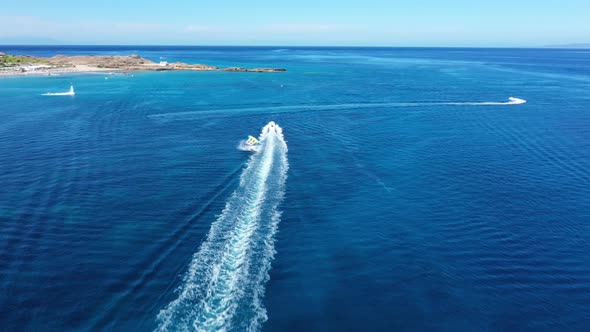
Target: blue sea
399, 190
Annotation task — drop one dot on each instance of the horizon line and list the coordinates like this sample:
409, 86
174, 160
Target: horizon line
573, 46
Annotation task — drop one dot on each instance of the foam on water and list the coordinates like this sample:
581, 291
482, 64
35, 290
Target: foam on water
511, 101
325, 107
224, 285
242, 146
70, 92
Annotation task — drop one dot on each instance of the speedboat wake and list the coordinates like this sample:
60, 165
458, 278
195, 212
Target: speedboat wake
70, 92
511, 101
332, 107
223, 288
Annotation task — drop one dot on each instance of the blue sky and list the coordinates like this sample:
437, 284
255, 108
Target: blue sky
303, 22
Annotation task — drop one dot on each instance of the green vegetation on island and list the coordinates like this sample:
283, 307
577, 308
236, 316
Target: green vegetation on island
16, 60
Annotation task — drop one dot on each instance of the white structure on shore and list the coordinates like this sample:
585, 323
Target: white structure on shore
35, 67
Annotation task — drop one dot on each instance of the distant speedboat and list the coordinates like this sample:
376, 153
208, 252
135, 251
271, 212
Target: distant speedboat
514, 100
71, 92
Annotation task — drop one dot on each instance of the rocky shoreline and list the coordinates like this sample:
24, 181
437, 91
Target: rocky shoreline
25, 64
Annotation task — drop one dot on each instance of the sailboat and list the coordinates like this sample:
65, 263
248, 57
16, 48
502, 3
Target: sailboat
71, 92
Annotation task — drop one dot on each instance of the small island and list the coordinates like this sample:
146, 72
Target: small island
11, 65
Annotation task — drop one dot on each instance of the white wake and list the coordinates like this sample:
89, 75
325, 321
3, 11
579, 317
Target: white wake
332, 107
511, 101
224, 286
70, 92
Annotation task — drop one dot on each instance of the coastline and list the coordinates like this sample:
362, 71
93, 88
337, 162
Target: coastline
54, 71
61, 64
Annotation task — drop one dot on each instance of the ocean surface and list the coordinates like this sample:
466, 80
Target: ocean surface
399, 190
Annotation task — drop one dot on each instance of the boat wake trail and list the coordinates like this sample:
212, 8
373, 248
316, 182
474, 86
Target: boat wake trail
224, 286
328, 107
70, 92
511, 101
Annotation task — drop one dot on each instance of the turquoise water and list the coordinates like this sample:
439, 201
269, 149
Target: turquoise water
402, 193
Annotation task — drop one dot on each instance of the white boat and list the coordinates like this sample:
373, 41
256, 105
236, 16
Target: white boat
71, 92
514, 100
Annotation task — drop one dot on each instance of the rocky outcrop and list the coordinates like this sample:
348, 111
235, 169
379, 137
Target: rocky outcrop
13, 65
129, 63
101, 61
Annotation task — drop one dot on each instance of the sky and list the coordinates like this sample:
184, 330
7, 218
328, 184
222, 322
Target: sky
454, 23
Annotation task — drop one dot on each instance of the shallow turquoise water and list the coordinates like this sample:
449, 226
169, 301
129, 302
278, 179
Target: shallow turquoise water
403, 209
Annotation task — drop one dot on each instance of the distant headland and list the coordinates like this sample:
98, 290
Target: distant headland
11, 65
